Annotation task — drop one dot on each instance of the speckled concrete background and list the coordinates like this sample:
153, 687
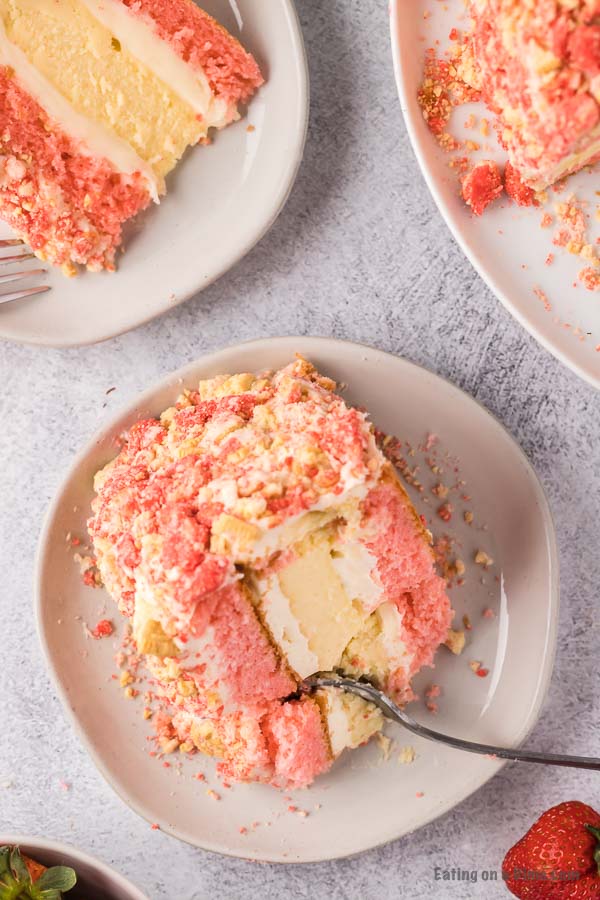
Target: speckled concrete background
361, 253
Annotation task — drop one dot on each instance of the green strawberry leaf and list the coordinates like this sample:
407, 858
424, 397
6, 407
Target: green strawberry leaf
595, 832
18, 867
12, 881
16, 882
59, 878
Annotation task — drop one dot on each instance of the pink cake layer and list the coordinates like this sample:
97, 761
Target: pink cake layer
67, 205
283, 744
406, 569
233, 74
539, 70
297, 744
240, 664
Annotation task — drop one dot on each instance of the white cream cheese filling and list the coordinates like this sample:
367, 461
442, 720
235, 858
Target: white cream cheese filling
137, 35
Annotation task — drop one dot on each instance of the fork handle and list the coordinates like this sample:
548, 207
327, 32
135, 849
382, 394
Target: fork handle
531, 756
393, 712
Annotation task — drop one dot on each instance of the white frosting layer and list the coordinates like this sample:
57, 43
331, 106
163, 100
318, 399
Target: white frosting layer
357, 569
136, 34
94, 138
337, 722
350, 720
391, 629
296, 527
285, 628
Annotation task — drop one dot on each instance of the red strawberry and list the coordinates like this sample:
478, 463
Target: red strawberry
558, 858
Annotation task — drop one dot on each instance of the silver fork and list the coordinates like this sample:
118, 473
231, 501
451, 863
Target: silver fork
392, 711
19, 275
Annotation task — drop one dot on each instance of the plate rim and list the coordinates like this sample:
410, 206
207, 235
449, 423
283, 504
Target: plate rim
297, 343
287, 183
405, 97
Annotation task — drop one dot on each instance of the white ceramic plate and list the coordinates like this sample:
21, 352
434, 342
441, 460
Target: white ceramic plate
506, 245
95, 880
221, 201
364, 801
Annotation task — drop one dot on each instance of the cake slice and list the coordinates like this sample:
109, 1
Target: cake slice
256, 535
538, 68
99, 101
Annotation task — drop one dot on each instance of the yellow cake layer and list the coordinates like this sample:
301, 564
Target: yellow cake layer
101, 79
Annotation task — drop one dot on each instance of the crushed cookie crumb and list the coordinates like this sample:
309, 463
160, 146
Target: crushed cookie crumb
407, 755
482, 559
455, 641
385, 745
445, 512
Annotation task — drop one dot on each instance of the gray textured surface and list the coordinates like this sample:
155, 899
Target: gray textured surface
361, 253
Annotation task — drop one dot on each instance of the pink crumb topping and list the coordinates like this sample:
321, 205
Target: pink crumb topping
482, 185
233, 73
66, 204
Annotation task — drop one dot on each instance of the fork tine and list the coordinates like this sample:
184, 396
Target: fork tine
18, 295
11, 242
4, 260
17, 276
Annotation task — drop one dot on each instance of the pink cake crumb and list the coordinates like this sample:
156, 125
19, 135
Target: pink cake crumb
104, 628
590, 278
516, 188
482, 185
